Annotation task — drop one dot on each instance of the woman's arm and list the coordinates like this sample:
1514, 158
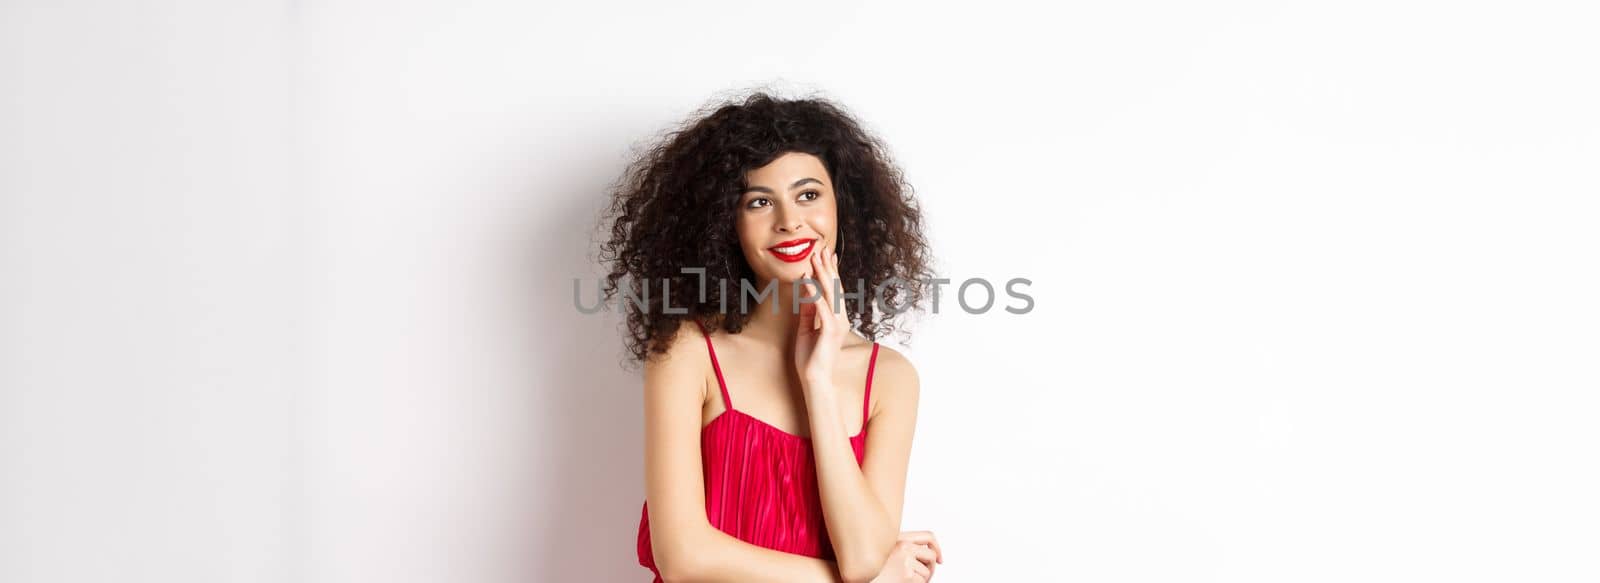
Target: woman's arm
686, 546
862, 504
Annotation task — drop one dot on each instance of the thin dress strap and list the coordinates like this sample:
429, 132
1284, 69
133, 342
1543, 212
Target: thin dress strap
727, 402
866, 399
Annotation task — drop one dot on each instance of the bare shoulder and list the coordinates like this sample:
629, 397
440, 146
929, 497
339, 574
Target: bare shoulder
680, 349
683, 367
894, 368
894, 379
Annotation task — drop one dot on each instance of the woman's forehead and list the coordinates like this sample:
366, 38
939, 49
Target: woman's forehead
788, 171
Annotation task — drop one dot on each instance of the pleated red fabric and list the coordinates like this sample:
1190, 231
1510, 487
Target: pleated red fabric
760, 481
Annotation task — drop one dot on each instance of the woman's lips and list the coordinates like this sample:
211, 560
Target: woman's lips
793, 251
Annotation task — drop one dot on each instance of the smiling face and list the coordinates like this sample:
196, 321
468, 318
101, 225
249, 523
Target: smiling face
786, 212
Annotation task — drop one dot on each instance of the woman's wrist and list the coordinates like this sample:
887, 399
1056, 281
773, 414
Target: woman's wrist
817, 388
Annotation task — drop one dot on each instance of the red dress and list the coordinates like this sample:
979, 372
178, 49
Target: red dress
761, 483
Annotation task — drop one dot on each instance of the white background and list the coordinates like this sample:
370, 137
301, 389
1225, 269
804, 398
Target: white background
286, 286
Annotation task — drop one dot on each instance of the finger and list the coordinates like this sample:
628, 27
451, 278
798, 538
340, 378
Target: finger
925, 556
921, 570
824, 274
825, 279
808, 290
924, 537
832, 273
844, 312
833, 268
805, 312
825, 304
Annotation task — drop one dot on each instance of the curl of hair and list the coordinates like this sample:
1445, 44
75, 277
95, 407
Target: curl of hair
674, 207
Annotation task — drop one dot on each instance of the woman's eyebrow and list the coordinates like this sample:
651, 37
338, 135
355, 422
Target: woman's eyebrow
796, 184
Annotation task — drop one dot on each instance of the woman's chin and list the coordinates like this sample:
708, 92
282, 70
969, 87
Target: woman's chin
781, 278
785, 274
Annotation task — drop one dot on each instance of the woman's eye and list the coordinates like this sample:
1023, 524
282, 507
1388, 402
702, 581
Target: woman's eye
758, 202
811, 193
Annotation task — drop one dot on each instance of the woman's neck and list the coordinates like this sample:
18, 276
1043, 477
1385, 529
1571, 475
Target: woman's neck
774, 328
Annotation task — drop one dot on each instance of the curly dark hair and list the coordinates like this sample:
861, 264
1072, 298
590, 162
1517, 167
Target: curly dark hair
674, 207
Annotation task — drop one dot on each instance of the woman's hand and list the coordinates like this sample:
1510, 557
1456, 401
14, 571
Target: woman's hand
819, 330
912, 560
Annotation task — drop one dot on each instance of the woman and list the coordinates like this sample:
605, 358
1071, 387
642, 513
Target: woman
728, 236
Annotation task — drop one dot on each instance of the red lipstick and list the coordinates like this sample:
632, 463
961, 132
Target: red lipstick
797, 249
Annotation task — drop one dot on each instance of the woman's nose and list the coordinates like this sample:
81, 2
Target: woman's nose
787, 224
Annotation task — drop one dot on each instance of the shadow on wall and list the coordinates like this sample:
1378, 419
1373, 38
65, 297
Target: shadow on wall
587, 476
